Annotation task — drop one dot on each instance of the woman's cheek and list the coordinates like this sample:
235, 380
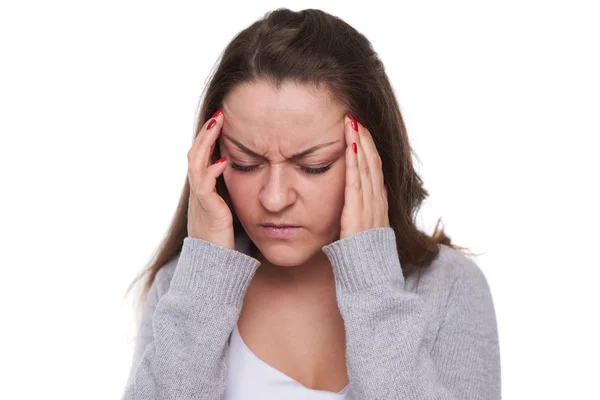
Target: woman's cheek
235, 190
236, 183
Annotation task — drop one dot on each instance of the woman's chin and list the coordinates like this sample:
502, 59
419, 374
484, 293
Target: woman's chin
286, 254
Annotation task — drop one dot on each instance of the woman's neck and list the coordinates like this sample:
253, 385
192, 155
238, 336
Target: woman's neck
315, 274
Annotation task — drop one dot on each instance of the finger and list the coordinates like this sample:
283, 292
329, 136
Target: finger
353, 195
202, 131
205, 187
374, 161
365, 175
199, 154
212, 132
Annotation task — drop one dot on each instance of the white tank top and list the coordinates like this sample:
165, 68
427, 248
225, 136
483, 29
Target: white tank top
250, 378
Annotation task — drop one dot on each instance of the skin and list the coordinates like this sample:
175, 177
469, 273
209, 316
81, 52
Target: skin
276, 125
290, 316
290, 305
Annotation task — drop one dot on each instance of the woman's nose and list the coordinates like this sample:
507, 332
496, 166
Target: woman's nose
277, 192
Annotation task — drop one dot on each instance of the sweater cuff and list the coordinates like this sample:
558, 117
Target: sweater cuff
365, 259
210, 271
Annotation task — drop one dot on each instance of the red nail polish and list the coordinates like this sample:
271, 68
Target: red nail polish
354, 147
217, 113
354, 124
220, 160
211, 124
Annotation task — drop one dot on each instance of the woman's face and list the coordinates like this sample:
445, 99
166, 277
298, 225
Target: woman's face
263, 129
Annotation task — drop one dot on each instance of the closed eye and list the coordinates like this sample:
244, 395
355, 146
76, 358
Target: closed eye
308, 170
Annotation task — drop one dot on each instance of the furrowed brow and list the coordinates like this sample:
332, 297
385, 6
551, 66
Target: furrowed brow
296, 156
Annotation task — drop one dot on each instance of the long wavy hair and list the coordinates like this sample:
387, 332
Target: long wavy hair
313, 47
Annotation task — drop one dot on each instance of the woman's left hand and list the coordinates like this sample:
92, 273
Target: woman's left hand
366, 199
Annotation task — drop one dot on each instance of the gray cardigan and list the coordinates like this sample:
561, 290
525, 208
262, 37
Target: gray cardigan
432, 335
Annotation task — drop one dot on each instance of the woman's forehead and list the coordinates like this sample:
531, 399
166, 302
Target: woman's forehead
292, 104
281, 121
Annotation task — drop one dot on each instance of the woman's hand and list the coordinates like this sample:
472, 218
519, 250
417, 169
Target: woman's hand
209, 217
365, 204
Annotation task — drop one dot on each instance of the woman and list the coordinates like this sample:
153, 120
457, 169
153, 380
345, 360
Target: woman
293, 267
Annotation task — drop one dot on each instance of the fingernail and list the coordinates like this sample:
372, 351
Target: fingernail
220, 160
211, 124
354, 147
354, 124
217, 113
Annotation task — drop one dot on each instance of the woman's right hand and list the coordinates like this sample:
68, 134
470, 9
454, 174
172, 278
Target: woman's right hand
209, 217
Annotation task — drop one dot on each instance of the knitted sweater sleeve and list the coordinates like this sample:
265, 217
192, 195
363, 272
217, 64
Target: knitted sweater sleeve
181, 350
388, 354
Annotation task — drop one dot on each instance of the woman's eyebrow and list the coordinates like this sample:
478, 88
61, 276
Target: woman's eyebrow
296, 156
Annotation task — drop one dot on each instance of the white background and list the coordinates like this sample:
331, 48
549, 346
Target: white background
98, 102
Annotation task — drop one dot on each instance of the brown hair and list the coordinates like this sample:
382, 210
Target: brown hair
316, 48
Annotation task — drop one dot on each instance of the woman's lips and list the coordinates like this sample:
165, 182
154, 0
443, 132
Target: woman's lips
281, 232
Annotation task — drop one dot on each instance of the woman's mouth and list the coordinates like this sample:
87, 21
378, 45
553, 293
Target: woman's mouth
280, 231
